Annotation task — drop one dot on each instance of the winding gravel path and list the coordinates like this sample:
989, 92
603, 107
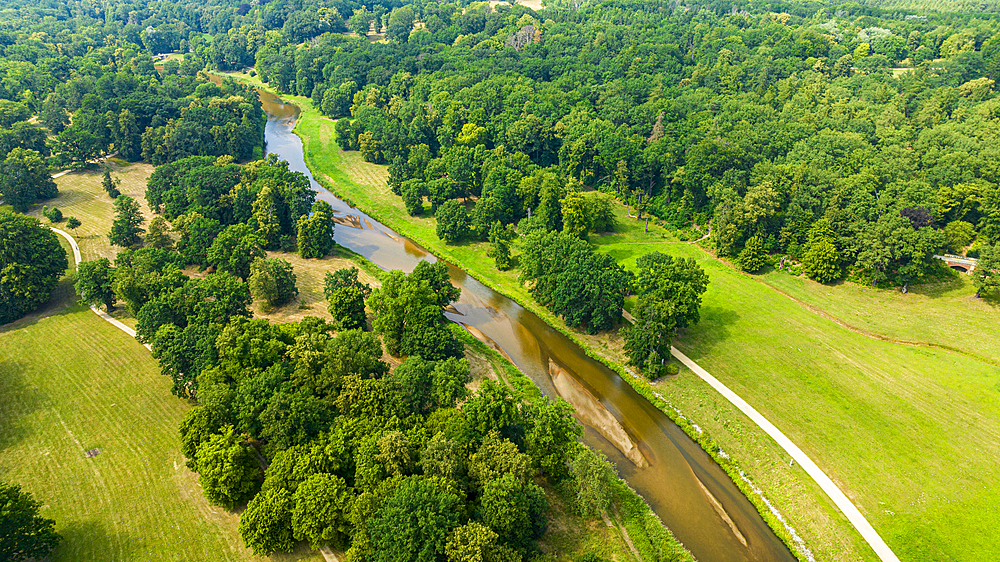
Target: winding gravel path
97, 311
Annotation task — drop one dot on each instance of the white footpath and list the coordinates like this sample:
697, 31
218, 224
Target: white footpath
849, 509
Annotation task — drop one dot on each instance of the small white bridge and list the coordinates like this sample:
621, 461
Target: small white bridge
960, 263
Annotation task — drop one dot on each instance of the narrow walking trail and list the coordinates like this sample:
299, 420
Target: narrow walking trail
843, 503
107, 317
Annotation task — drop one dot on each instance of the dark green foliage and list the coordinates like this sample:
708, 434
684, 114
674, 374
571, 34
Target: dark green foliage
94, 283
347, 138
197, 235
315, 232
24, 178
235, 249
420, 386
197, 427
515, 510
414, 524
584, 287
413, 192
53, 114
410, 320
73, 222
110, 184
753, 257
157, 236
53, 214
438, 278
24, 533
346, 297
670, 291
493, 408
452, 221
31, 263
272, 282
553, 436
501, 238
146, 273
400, 23
986, 276
126, 228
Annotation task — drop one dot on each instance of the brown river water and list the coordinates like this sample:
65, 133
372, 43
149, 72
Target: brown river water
690, 493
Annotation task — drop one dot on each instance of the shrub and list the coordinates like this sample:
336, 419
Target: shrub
73, 222
53, 214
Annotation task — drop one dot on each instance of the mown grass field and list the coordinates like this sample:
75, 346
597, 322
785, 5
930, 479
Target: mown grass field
70, 382
911, 434
945, 314
81, 196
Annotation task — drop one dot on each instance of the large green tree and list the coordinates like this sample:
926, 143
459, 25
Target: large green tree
266, 524
272, 282
227, 468
670, 291
408, 316
414, 524
322, 505
24, 177
127, 226
315, 238
95, 283
452, 221
346, 297
235, 249
515, 510
986, 276
31, 262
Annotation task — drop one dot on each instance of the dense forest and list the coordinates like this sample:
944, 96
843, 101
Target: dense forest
856, 141
846, 141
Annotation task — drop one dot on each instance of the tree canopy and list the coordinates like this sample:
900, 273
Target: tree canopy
31, 263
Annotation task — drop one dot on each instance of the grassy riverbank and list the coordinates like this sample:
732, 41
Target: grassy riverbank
901, 429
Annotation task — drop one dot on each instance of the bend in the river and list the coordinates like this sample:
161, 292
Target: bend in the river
690, 493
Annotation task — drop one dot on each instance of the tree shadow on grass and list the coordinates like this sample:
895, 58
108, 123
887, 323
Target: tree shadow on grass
699, 340
18, 399
62, 301
92, 540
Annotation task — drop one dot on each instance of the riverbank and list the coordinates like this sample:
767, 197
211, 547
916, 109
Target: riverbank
341, 173
908, 433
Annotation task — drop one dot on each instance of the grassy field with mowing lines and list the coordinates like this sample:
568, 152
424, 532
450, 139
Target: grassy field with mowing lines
70, 382
945, 314
81, 196
909, 433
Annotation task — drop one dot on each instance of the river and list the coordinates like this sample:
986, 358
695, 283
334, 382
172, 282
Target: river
690, 493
